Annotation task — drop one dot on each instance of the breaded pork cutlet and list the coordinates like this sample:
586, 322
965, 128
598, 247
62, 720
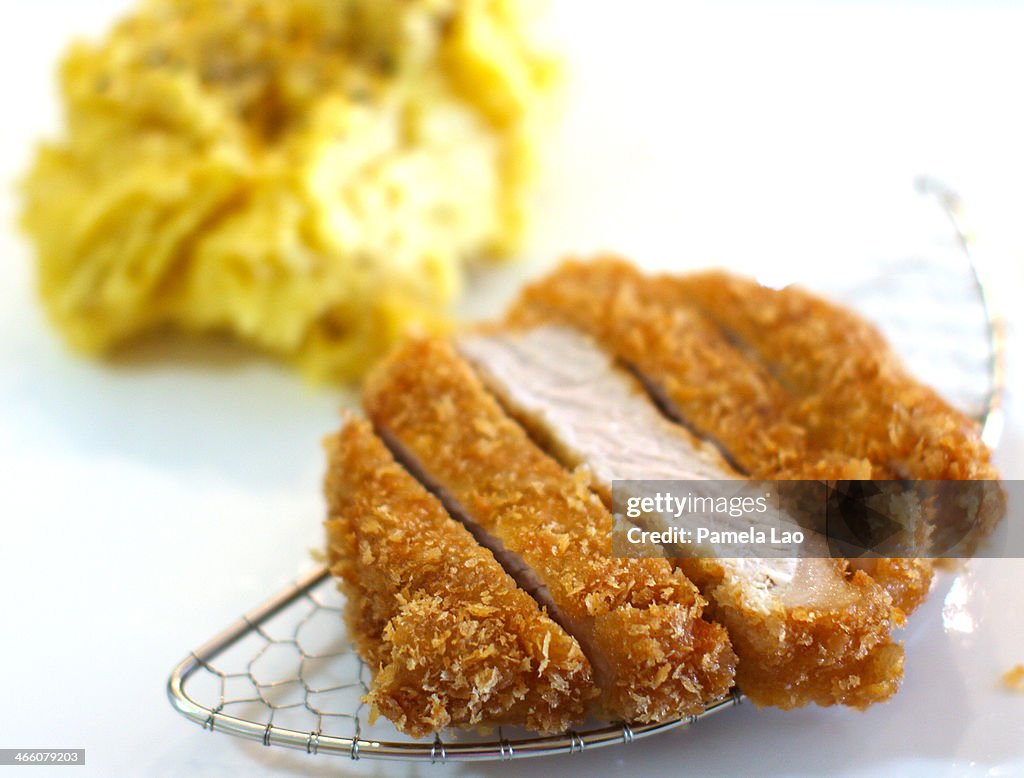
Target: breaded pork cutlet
803, 631
711, 383
450, 638
638, 620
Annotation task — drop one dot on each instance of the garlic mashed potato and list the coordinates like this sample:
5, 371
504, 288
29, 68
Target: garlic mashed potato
309, 175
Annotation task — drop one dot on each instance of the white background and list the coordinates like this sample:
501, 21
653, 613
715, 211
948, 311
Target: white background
147, 503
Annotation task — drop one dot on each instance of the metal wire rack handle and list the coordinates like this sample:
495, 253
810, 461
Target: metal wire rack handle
992, 419
438, 751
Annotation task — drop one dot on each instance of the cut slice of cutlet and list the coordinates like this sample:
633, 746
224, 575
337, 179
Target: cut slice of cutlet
856, 395
803, 631
714, 384
638, 620
450, 639
699, 374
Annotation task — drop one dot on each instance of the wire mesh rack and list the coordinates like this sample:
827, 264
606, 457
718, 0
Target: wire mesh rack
285, 674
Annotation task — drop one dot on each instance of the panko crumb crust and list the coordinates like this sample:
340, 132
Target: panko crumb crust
450, 638
855, 394
722, 394
639, 621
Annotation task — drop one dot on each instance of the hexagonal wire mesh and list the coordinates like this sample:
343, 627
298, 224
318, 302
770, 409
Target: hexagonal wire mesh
285, 673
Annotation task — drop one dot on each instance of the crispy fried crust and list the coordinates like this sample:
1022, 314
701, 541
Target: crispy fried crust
856, 396
907, 581
638, 620
451, 639
715, 386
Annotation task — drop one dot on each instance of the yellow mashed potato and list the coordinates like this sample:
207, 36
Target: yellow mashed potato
309, 175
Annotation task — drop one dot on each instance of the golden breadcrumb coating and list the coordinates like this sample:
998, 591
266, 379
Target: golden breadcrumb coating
907, 581
716, 388
713, 383
451, 639
638, 620
856, 396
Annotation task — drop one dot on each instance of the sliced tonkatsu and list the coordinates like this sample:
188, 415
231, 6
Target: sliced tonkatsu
856, 395
450, 638
639, 621
804, 631
718, 386
474, 537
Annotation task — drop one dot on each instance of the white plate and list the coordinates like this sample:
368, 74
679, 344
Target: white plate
147, 503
